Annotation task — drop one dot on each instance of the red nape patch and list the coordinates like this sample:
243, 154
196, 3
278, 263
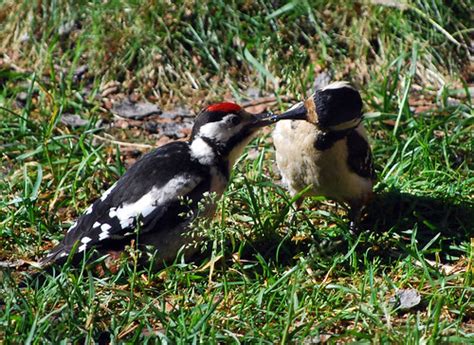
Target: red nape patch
226, 107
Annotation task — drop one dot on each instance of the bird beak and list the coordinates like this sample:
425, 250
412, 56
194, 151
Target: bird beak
296, 112
263, 119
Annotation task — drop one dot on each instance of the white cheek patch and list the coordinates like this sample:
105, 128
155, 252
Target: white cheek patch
212, 130
179, 186
219, 131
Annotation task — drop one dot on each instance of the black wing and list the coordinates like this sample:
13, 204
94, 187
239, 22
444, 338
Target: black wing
360, 156
149, 191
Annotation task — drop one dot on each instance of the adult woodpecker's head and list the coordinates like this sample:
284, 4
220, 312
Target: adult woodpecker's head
336, 107
226, 128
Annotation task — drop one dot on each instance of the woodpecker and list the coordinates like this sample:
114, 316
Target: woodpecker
329, 152
155, 201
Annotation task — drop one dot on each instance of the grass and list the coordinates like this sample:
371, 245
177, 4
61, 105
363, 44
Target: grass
261, 278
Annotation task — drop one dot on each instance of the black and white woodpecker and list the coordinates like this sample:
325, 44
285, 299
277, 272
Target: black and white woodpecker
155, 201
329, 152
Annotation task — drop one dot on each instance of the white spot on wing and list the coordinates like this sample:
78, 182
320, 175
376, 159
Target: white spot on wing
103, 235
86, 239
105, 231
82, 248
96, 225
63, 254
127, 222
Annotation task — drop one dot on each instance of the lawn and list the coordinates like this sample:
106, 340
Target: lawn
67, 66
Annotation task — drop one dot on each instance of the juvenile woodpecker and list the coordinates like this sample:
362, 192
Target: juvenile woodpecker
157, 198
330, 151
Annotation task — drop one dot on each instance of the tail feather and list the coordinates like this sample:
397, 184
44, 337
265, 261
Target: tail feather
51, 265
58, 255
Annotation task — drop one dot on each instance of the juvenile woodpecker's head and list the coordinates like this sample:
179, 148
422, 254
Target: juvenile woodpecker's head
227, 129
335, 107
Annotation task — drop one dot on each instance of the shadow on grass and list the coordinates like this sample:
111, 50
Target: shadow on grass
387, 232
391, 223
448, 224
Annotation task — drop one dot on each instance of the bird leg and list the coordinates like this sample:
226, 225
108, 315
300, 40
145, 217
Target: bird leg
355, 213
297, 205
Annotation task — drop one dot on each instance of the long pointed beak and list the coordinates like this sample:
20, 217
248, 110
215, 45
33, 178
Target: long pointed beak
263, 119
296, 112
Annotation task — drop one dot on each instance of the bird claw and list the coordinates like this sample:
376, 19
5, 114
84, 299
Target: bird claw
353, 228
326, 247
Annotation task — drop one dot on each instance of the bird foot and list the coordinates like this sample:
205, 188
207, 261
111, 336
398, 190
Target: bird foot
353, 228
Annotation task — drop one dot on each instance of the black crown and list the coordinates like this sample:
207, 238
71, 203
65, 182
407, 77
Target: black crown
336, 106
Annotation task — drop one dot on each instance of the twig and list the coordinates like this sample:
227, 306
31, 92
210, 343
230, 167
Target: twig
19, 263
122, 143
265, 100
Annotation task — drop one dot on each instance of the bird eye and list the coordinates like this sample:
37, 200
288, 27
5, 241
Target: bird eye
234, 120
